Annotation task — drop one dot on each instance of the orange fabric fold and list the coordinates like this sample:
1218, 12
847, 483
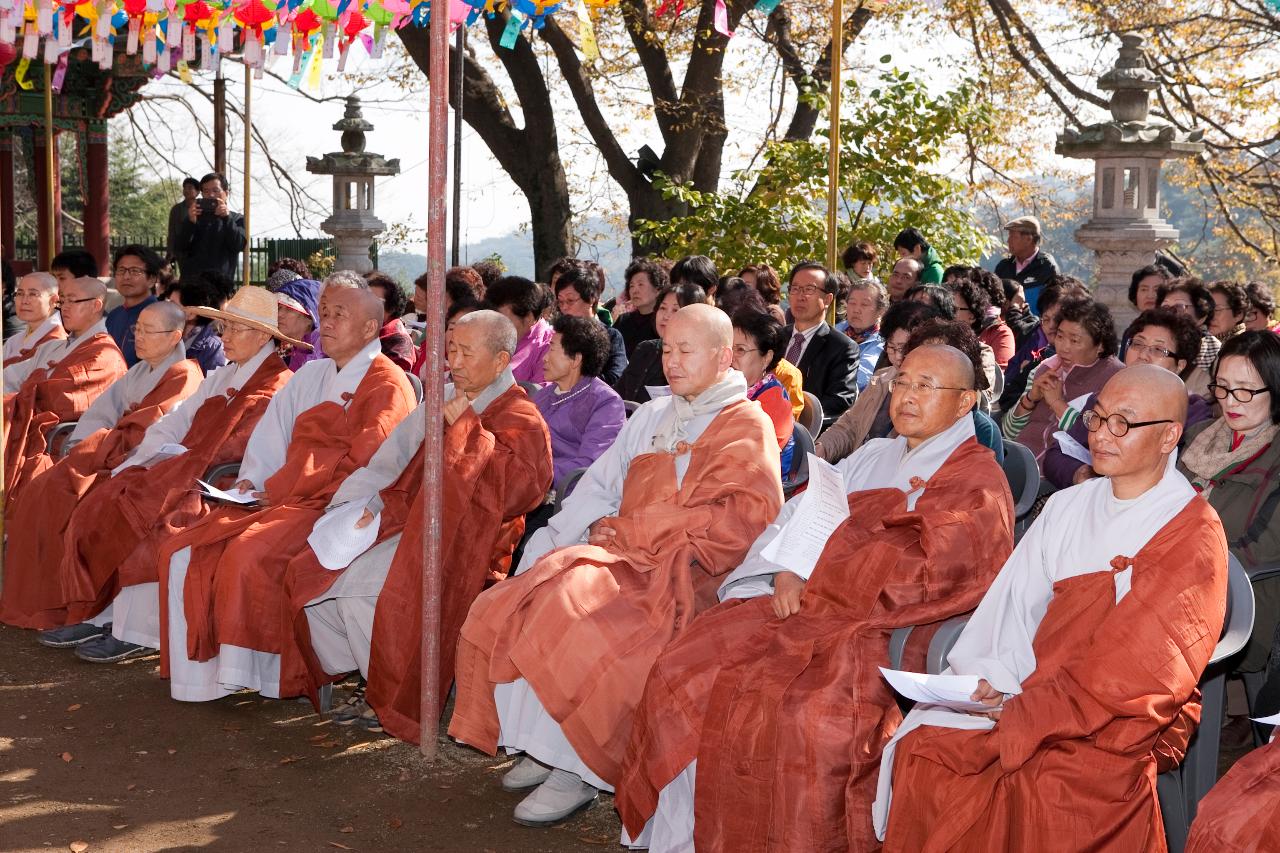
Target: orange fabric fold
498, 467
1242, 812
32, 593
114, 535
787, 718
57, 394
584, 624
1071, 765
57, 333
234, 591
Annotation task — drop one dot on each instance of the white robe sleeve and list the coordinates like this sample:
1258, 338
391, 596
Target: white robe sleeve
598, 493
16, 374
386, 464
105, 412
171, 428
269, 442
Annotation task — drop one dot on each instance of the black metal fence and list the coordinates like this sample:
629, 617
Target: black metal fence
263, 251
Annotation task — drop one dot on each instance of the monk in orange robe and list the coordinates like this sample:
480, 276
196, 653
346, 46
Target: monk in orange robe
109, 568
35, 302
1241, 814
776, 693
224, 615
1087, 649
57, 384
552, 661
103, 438
368, 617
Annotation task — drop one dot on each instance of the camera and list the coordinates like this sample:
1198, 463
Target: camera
206, 205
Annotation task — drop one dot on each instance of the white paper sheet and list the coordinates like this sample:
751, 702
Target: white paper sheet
229, 497
337, 541
950, 691
1273, 720
823, 507
1073, 448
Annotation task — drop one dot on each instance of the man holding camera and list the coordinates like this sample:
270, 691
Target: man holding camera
212, 236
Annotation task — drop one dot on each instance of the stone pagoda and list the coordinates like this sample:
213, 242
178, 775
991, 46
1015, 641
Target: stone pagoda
1126, 230
353, 223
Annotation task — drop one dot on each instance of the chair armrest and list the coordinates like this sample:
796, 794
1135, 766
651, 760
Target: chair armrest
227, 471
943, 641
897, 645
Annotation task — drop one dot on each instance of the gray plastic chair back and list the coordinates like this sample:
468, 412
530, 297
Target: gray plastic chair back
416, 383
799, 473
811, 416
1023, 474
227, 473
566, 487
56, 440
530, 388
630, 406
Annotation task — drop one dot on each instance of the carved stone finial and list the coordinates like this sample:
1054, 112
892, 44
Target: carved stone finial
1130, 82
353, 127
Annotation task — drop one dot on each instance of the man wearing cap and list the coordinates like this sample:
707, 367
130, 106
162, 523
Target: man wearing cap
58, 383
1027, 263
103, 438
222, 597
114, 536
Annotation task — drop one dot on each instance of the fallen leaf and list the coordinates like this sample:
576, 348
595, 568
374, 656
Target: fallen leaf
141, 752
130, 787
22, 716
289, 759
78, 846
66, 756
340, 846
395, 823
171, 751
596, 840
321, 736
347, 829
68, 728
75, 707
325, 744
120, 826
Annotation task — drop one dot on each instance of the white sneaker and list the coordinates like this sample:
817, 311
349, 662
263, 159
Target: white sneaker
527, 773
562, 795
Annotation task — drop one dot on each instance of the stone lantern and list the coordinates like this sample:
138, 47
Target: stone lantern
1126, 230
353, 223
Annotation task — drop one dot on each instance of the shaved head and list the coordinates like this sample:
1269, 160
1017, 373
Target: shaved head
1155, 400
496, 330
697, 349
933, 389
42, 280
81, 301
91, 287
164, 314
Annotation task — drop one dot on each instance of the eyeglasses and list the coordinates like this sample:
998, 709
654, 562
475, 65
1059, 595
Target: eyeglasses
1241, 395
1255, 314
569, 303
806, 290
739, 352
922, 388
126, 272
64, 301
895, 349
1118, 425
1152, 349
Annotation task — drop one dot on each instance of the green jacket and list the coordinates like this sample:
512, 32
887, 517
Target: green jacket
931, 273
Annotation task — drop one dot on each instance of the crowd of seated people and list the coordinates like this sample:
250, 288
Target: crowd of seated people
621, 610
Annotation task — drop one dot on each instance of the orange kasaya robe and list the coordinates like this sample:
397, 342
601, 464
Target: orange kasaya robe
498, 467
1072, 763
56, 333
234, 591
52, 395
114, 536
1241, 813
32, 593
584, 624
787, 718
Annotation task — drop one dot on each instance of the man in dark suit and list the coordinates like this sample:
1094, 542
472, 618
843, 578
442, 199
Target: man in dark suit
827, 360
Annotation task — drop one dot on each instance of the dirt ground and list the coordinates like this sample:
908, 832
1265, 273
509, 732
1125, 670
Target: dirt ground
99, 755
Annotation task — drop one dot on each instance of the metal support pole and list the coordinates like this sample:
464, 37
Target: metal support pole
833, 153
50, 172
220, 123
460, 44
248, 166
433, 387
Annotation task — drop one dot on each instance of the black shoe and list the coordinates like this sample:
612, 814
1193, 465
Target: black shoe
110, 650
72, 635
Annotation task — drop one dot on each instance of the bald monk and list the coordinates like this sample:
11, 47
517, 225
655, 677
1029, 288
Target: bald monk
368, 617
552, 661
1241, 814
35, 302
1088, 648
772, 703
223, 617
103, 438
109, 577
57, 384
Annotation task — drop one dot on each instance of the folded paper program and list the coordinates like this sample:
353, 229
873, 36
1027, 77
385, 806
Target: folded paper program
950, 691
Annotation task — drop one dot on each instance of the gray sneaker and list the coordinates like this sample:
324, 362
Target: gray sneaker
109, 650
350, 710
72, 635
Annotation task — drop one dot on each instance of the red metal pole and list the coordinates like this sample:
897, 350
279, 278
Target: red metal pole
433, 387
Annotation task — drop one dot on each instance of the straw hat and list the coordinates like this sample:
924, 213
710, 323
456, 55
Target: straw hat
255, 307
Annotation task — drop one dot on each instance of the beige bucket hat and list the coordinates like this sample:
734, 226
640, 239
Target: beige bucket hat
255, 307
